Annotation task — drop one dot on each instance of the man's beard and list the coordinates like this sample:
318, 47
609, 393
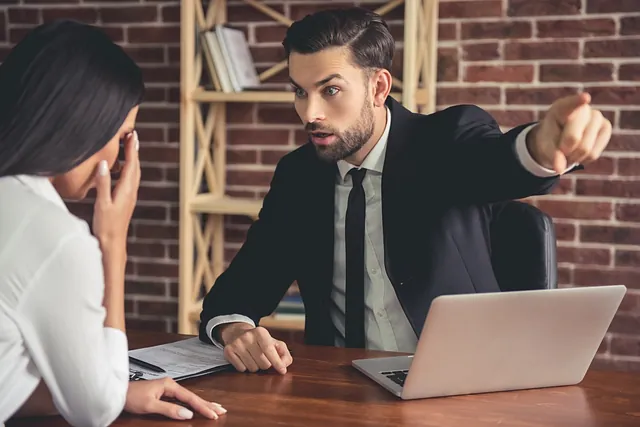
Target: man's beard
351, 140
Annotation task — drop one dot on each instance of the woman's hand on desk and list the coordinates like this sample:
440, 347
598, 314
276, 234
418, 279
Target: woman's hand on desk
252, 349
144, 397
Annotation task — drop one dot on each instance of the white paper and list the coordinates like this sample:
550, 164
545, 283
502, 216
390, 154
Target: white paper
181, 359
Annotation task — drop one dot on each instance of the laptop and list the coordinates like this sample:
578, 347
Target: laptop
489, 342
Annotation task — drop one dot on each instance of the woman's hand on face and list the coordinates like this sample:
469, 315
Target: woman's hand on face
144, 397
113, 209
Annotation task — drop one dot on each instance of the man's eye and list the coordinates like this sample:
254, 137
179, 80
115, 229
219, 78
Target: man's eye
332, 90
299, 93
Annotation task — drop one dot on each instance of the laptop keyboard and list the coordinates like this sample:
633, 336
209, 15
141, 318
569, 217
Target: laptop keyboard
397, 377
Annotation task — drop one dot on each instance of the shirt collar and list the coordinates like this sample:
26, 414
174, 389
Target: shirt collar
375, 159
43, 187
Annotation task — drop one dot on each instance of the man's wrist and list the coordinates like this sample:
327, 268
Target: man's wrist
533, 148
227, 332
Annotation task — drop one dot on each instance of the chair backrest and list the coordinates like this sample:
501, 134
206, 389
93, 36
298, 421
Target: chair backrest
523, 247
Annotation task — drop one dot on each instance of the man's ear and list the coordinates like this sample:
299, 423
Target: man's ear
381, 81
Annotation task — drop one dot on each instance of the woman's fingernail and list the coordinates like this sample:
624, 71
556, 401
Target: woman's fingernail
135, 135
185, 414
103, 168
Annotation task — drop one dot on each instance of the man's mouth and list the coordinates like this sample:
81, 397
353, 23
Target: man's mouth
322, 138
321, 134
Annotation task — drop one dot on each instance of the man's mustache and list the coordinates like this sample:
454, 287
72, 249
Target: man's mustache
315, 127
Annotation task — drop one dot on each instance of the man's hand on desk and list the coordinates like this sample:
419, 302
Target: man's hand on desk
251, 349
144, 397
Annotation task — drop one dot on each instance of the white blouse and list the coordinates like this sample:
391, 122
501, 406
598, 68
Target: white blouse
51, 313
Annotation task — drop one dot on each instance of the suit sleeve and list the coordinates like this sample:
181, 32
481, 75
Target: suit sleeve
481, 164
264, 268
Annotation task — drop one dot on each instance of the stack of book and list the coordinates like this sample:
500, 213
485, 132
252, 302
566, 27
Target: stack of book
229, 60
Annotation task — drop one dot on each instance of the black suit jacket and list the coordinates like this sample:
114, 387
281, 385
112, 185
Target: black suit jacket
441, 176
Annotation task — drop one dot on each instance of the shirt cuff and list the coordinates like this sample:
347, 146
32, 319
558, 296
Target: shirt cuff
527, 161
221, 320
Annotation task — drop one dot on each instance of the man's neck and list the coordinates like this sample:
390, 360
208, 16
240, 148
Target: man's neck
380, 117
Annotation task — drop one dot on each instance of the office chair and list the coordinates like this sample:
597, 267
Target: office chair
523, 247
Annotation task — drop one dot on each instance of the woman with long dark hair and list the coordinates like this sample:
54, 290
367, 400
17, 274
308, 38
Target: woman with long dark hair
68, 97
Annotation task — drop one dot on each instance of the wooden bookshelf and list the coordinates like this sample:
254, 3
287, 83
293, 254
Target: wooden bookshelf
203, 139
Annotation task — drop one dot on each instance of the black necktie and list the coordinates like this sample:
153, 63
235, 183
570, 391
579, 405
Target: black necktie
354, 237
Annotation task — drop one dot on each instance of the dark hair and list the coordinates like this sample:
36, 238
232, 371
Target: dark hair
65, 90
363, 31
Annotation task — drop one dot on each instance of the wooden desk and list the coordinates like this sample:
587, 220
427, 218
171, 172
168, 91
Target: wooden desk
322, 389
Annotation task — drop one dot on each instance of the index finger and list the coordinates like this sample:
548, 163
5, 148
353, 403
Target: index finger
563, 108
268, 347
208, 409
130, 176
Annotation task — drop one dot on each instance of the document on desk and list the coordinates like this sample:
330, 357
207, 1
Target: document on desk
183, 359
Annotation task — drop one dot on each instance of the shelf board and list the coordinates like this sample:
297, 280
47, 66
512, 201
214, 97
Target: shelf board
209, 203
201, 95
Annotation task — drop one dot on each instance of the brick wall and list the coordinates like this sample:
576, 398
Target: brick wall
512, 57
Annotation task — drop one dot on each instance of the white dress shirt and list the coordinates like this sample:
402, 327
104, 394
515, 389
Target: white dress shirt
386, 325
51, 313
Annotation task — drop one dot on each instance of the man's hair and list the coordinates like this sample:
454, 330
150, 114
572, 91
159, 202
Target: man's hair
364, 32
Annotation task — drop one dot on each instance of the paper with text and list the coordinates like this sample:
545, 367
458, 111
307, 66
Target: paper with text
181, 359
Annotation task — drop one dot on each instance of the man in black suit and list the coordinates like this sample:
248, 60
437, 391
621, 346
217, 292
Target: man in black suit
383, 209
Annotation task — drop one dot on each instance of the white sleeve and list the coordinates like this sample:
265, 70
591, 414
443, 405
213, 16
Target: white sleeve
84, 364
221, 320
527, 160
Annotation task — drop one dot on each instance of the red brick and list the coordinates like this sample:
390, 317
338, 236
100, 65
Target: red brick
145, 287
466, 9
630, 302
240, 112
541, 50
271, 157
630, 72
584, 256
628, 212
619, 365
609, 188
23, 15
162, 153
626, 258
146, 212
3, 28
235, 157
244, 13
235, 235
610, 234
565, 231
537, 96
173, 54
158, 308
250, 177
576, 72
157, 231
447, 64
270, 33
446, 31
134, 14
611, 6
15, 34
627, 48
626, 323
161, 73
480, 51
171, 13
543, 7
267, 54
145, 54
145, 250
278, 114
630, 25
565, 276
158, 194
584, 276
630, 119
511, 118
115, 33
614, 95
153, 34
257, 137
84, 14
499, 73
469, 95
158, 114
626, 345
576, 210
564, 186
49, 2
134, 324
576, 28
150, 134
496, 30
156, 269
602, 166
629, 167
